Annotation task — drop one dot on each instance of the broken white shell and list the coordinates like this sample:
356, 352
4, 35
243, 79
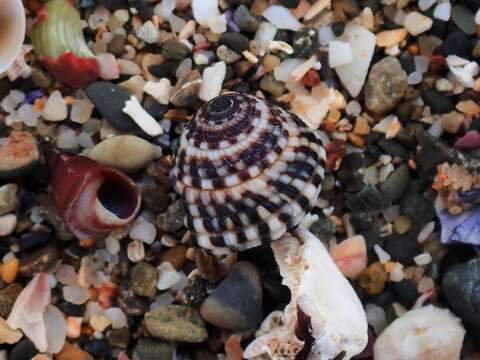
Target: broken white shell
12, 31
323, 303
421, 334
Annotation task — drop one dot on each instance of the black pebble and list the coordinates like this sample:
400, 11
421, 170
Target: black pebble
24, 350
406, 291
438, 102
291, 4
235, 41
98, 348
457, 43
109, 100
154, 108
368, 199
34, 240
114, 4
167, 69
401, 248
338, 28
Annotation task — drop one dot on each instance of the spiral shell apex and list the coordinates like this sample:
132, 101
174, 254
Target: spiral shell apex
248, 172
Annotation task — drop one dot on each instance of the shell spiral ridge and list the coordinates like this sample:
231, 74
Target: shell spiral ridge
247, 171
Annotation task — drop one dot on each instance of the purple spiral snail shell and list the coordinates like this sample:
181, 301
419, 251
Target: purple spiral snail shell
248, 172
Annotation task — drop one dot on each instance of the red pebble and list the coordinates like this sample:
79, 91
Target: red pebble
311, 78
71, 70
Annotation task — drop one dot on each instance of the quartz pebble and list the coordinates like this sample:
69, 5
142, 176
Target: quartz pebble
55, 108
143, 231
167, 276
159, 90
339, 53
75, 294
417, 23
213, 77
281, 17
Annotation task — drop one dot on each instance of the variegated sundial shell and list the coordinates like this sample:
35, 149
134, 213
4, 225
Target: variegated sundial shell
247, 171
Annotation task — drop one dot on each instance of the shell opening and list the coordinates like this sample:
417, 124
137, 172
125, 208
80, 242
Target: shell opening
117, 196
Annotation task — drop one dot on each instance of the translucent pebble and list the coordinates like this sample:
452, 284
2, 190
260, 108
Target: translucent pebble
112, 245
143, 231
376, 317
66, 274
183, 68
204, 10
283, 72
354, 108
339, 53
165, 8
92, 126
176, 23
12, 118
414, 78
85, 140
35, 215
167, 276
266, 32
443, 11
75, 294
383, 256
8, 104
163, 299
421, 63
325, 35
281, 17
17, 96
81, 111
67, 139
180, 284
93, 308
29, 115
117, 317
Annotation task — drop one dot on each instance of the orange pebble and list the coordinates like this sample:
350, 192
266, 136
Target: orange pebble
39, 103
86, 242
74, 327
233, 349
413, 49
9, 270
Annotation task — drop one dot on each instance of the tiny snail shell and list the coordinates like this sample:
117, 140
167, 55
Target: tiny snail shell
247, 171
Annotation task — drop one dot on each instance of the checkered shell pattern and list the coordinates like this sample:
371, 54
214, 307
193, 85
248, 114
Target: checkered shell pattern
247, 171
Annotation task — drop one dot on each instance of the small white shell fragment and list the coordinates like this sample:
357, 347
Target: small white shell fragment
159, 90
423, 259
421, 334
317, 287
143, 119
339, 53
213, 77
383, 256
463, 70
281, 46
55, 108
362, 42
281, 17
417, 23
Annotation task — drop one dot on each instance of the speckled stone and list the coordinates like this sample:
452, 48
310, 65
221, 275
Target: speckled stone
152, 349
144, 279
176, 323
8, 296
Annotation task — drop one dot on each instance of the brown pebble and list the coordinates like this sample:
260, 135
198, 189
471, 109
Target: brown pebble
8, 296
176, 256
41, 260
373, 279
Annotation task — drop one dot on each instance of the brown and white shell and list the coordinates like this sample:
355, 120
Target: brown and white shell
248, 172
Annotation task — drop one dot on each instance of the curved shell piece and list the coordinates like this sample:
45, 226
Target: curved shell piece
248, 172
324, 317
92, 199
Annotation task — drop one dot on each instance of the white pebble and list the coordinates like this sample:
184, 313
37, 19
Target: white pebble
117, 317
167, 276
423, 259
67, 139
29, 115
17, 96
66, 274
443, 11
397, 274
122, 15
55, 108
159, 90
414, 78
136, 251
165, 8
477, 17
417, 23
383, 256
128, 67
266, 32
426, 4
426, 231
148, 33
99, 17
112, 244
353, 108
201, 57
81, 111
281, 17
143, 231
7, 224
75, 294
339, 53
204, 10
213, 77
376, 317
8, 104
143, 119
425, 284
385, 159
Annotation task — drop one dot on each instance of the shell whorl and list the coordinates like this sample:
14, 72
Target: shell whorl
248, 172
